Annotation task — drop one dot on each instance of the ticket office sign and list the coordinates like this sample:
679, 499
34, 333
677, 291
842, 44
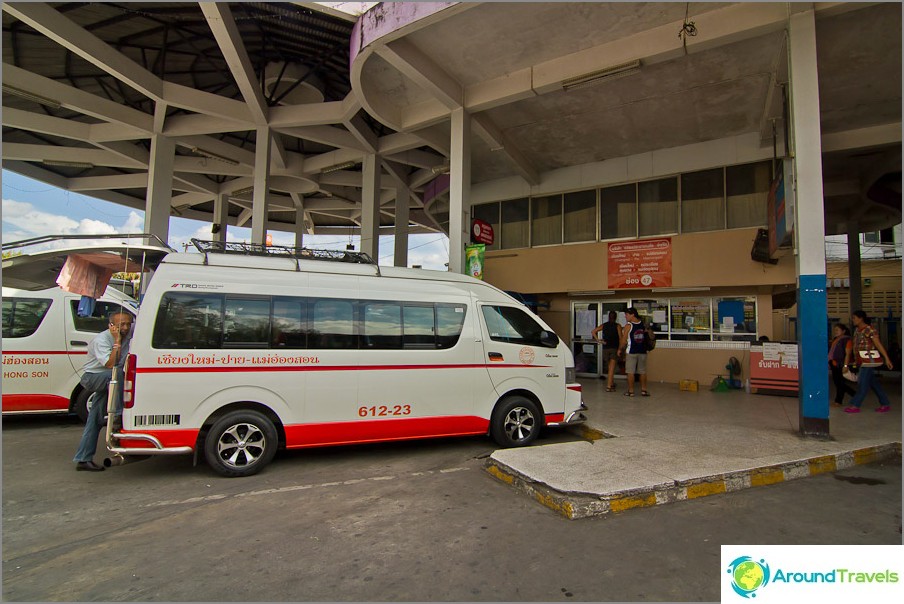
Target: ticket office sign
640, 264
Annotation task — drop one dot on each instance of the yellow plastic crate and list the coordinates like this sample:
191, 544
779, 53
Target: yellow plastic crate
688, 385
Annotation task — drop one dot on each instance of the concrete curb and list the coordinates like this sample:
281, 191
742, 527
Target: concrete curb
582, 505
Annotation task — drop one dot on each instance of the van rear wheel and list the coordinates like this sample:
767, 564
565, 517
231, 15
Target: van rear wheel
240, 443
80, 407
516, 422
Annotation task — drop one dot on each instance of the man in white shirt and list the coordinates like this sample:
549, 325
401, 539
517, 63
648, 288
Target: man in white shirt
108, 350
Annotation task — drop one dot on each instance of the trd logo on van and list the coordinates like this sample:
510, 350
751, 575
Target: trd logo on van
195, 286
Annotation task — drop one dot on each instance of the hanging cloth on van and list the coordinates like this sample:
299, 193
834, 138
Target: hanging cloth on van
89, 274
86, 306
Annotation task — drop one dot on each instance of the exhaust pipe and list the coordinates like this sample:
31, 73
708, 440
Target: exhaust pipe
121, 460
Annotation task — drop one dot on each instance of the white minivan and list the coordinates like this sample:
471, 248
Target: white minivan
45, 341
241, 350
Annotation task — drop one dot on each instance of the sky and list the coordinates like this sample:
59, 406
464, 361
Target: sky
32, 209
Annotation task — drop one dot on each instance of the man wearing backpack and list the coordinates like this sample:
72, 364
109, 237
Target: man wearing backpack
634, 341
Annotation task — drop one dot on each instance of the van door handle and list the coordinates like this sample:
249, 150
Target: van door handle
77, 343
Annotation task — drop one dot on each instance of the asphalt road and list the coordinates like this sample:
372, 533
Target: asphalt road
416, 521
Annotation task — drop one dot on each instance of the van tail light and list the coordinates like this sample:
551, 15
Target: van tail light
128, 388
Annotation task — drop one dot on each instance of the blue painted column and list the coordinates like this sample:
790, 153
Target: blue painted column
809, 226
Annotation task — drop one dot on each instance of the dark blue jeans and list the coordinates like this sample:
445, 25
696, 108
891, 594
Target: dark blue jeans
866, 381
99, 384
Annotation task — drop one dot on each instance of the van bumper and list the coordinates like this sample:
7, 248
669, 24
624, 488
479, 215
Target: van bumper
155, 448
573, 400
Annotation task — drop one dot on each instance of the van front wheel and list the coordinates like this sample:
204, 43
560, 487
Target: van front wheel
240, 443
516, 422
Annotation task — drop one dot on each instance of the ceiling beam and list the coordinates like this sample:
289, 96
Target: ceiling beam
871, 136
497, 140
77, 100
99, 183
45, 124
419, 68
76, 39
37, 153
221, 23
325, 135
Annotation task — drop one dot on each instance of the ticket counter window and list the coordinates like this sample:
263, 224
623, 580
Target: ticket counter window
655, 313
735, 319
691, 319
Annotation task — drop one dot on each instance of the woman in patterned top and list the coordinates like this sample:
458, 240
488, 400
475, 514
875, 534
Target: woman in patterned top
866, 339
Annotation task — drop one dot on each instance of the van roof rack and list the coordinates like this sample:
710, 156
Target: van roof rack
258, 249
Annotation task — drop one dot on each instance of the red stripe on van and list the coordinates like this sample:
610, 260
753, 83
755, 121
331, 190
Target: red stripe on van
230, 369
382, 430
36, 352
575, 388
554, 417
34, 402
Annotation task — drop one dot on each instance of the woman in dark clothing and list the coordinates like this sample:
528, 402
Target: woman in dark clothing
842, 336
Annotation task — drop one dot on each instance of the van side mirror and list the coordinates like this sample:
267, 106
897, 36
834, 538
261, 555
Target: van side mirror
548, 339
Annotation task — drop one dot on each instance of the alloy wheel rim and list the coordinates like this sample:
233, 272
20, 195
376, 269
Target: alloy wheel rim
519, 423
241, 445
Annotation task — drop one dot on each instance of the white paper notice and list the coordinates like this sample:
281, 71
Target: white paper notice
658, 316
728, 321
726, 328
586, 321
789, 355
588, 348
622, 319
772, 351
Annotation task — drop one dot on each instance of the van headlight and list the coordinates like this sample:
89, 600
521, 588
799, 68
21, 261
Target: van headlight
570, 377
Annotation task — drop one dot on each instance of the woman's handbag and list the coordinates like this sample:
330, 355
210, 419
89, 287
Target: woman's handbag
870, 358
848, 374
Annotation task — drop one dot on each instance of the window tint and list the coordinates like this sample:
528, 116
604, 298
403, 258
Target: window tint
546, 220
658, 206
333, 324
618, 212
515, 223
189, 321
580, 216
449, 321
513, 325
97, 322
382, 325
247, 323
289, 324
748, 189
702, 201
22, 316
419, 327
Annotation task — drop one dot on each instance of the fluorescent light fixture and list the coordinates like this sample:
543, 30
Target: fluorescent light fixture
604, 292
441, 169
66, 164
668, 290
337, 167
243, 191
31, 96
216, 156
603, 75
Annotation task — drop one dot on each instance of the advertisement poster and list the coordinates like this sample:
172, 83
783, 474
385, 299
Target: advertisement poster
474, 260
640, 264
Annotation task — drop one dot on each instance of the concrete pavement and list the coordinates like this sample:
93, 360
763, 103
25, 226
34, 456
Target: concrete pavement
676, 445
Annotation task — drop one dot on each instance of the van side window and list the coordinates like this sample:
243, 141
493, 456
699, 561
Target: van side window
23, 316
247, 323
97, 322
449, 321
512, 325
333, 324
419, 327
382, 325
290, 323
189, 321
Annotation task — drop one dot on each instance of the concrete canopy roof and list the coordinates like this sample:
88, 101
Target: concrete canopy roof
507, 63
207, 75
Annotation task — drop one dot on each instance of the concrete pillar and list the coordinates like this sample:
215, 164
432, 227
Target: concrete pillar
160, 187
259, 212
299, 222
220, 215
402, 211
854, 274
809, 226
459, 189
370, 206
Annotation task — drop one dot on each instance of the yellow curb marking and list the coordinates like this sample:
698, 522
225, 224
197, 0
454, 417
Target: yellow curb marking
821, 465
503, 476
705, 489
563, 508
863, 456
626, 503
591, 433
766, 476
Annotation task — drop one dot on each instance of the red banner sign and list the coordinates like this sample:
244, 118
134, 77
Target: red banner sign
481, 232
640, 264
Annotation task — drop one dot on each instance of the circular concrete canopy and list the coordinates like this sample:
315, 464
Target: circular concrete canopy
93, 75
